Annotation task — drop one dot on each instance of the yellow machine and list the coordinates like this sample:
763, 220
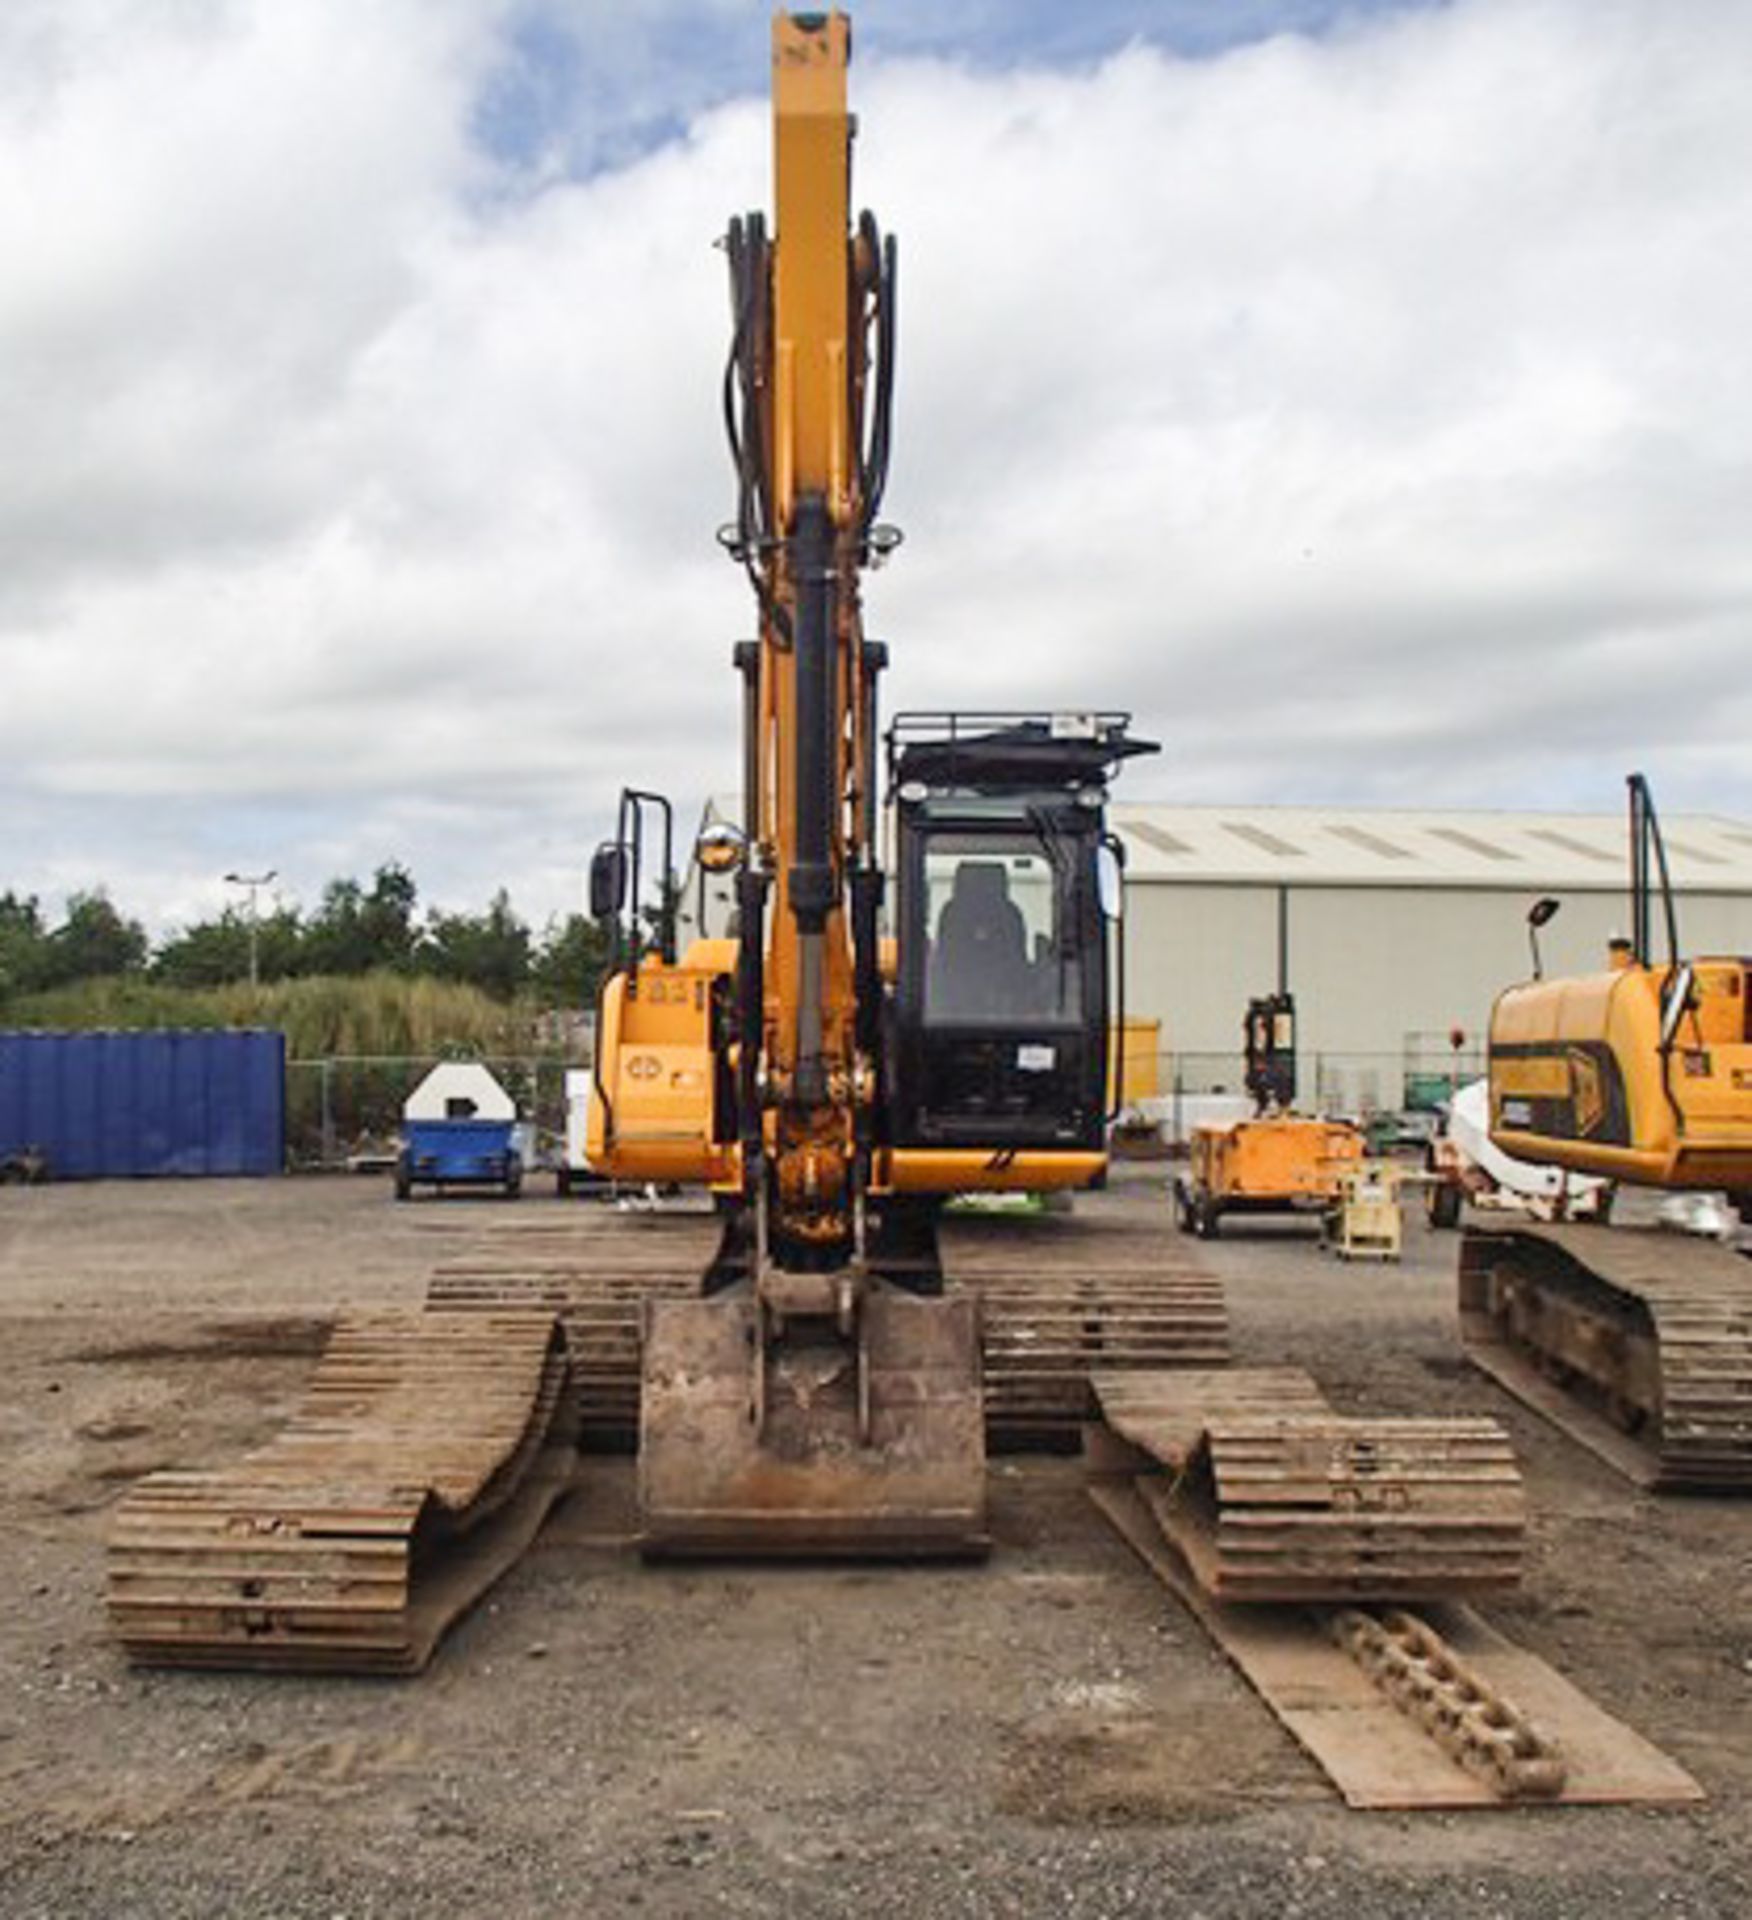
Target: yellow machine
1277, 1162
823, 1391
1641, 1073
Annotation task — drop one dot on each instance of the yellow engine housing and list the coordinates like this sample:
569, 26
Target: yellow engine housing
1579, 1079
653, 1101
1286, 1158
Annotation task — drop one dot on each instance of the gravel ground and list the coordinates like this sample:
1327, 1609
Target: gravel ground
1046, 1734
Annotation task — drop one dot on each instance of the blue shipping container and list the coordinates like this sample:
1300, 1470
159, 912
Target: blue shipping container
117, 1105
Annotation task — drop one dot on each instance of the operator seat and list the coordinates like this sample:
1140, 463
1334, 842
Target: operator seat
979, 967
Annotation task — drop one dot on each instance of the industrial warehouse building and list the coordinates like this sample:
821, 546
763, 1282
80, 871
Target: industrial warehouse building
1394, 929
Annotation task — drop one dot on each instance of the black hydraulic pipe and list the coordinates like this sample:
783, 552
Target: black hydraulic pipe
751, 895
812, 880
866, 878
747, 658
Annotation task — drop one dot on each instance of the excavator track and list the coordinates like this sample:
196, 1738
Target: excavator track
1055, 1307
596, 1277
427, 1451
1268, 1495
1636, 1340
1065, 1299
1469, 1719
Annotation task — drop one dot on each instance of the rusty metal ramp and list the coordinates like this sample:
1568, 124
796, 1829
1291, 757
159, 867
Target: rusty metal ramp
426, 1453
812, 1442
1636, 1341
1415, 1712
1267, 1494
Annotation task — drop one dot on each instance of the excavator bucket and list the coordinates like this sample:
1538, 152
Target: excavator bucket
867, 1446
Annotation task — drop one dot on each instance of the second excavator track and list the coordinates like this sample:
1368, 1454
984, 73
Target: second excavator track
1638, 1340
425, 1454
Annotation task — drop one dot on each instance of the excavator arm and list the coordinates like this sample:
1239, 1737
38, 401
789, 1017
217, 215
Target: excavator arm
807, 1404
812, 355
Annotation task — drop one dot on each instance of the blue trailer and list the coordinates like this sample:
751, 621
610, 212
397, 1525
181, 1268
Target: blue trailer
459, 1129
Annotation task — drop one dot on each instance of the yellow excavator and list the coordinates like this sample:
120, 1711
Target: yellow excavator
822, 1389
1637, 1339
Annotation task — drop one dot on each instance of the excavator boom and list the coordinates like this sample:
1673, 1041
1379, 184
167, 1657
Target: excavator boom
807, 1404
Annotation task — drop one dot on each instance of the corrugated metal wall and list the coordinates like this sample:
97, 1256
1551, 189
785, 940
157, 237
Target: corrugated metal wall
1369, 965
119, 1105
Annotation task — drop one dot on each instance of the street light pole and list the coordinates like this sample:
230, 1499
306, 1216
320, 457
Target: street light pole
252, 881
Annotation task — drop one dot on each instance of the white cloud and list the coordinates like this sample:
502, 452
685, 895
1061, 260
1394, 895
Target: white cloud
1370, 413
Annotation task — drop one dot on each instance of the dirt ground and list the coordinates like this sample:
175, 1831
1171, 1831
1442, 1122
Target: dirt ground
1044, 1734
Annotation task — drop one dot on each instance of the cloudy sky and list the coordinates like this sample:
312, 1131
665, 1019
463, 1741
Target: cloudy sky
1360, 393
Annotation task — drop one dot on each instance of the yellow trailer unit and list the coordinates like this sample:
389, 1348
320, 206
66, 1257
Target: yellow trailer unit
1281, 1163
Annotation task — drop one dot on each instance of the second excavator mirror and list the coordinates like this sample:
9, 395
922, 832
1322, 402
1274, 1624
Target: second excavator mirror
1110, 876
1537, 915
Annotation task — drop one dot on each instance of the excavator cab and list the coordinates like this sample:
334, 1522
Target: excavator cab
1000, 1016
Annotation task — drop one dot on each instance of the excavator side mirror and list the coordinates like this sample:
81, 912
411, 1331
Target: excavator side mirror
1678, 1000
608, 881
720, 849
1537, 915
1110, 876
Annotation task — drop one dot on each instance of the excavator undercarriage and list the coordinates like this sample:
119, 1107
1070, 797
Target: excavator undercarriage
1638, 1341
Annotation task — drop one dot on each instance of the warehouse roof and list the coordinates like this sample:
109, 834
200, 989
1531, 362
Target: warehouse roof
1339, 846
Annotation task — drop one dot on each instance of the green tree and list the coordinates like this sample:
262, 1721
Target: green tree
94, 940
24, 952
208, 954
568, 963
490, 950
358, 932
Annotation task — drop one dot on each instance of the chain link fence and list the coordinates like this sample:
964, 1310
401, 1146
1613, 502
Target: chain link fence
347, 1109
1401, 1091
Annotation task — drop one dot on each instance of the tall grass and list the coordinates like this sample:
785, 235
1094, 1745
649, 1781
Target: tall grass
382, 1014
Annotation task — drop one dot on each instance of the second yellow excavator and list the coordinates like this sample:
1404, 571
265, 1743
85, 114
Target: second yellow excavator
1639, 1339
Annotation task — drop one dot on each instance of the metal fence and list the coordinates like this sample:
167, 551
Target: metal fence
346, 1106
349, 1106
1356, 1085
